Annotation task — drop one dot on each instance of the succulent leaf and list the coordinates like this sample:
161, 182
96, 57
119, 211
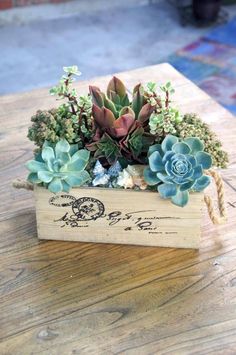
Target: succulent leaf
125, 101
127, 110
48, 154
103, 117
106, 147
145, 113
164, 177
137, 103
186, 186
168, 142
204, 159
154, 148
117, 86
55, 185
122, 126
197, 172
62, 146
77, 178
45, 176
181, 148
115, 98
155, 162
110, 106
167, 190
181, 198
150, 177
195, 144
97, 96
202, 183
34, 166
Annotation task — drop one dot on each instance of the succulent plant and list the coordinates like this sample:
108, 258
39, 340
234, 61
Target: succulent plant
193, 126
79, 107
59, 167
120, 125
164, 121
164, 118
58, 123
52, 125
177, 167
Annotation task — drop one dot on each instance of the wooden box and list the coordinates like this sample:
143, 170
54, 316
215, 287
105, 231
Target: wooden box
104, 215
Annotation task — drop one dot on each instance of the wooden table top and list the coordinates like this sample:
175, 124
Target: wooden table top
79, 298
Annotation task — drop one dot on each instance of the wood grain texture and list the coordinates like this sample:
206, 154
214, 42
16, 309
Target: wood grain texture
81, 298
119, 216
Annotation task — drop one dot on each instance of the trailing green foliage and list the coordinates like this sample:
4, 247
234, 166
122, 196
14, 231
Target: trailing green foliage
176, 167
59, 167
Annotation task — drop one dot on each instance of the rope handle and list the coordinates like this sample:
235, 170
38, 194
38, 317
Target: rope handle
22, 184
222, 218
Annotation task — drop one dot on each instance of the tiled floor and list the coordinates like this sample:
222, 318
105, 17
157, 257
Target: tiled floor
211, 63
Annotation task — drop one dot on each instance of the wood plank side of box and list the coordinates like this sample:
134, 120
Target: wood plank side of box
103, 215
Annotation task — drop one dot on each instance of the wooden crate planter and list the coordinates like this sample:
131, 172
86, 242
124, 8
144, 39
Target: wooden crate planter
119, 216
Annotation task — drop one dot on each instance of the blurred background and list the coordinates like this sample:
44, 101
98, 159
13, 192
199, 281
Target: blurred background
39, 37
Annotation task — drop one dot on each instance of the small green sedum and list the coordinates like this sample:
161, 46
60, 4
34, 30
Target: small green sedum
59, 167
176, 167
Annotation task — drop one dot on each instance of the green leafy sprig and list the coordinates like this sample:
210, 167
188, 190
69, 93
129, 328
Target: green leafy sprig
164, 117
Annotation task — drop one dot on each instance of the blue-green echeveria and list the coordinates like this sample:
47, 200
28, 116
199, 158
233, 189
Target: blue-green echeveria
59, 167
176, 167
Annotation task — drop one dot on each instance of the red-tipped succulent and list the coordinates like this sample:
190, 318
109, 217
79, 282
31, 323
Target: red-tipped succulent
121, 125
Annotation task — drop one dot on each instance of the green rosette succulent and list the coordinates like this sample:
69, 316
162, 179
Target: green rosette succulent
176, 167
59, 167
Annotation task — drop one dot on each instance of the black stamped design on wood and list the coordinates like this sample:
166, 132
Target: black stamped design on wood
62, 200
88, 208
85, 209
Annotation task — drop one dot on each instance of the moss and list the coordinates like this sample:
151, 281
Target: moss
53, 125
